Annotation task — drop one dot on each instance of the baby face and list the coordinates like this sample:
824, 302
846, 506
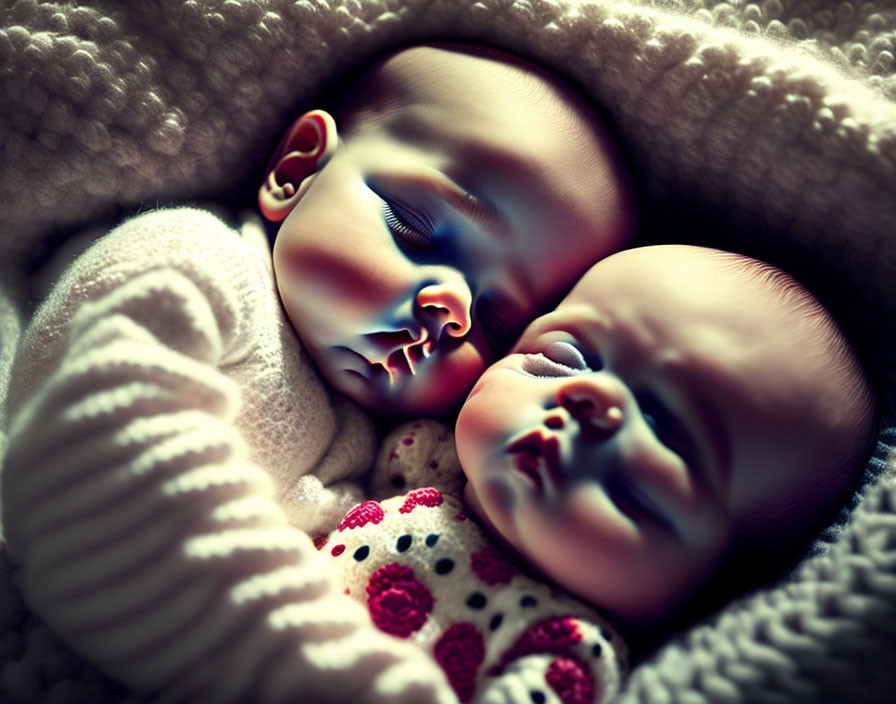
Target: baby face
631, 432
468, 200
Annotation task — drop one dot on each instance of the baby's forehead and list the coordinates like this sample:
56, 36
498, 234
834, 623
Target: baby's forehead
691, 277
712, 311
478, 82
466, 69
665, 261
521, 142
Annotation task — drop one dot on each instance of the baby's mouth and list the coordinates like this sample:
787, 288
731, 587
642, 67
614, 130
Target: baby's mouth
538, 457
396, 366
408, 359
404, 362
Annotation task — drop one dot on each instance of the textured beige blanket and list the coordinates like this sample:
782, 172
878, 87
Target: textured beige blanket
766, 127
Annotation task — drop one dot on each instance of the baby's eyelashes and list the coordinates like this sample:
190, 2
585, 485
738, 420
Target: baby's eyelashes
557, 359
412, 229
567, 354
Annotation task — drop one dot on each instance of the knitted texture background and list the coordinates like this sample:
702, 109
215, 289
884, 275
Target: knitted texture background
777, 120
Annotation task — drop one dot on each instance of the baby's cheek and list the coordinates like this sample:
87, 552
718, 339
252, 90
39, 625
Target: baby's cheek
467, 439
442, 385
497, 408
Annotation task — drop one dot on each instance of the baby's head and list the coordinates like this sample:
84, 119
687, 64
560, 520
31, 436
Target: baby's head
466, 192
680, 406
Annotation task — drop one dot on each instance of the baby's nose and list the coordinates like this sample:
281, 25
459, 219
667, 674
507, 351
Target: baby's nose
596, 401
443, 307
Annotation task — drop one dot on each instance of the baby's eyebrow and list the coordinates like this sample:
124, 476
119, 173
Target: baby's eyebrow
510, 161
478, 209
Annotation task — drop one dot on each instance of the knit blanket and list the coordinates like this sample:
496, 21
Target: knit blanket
768, 127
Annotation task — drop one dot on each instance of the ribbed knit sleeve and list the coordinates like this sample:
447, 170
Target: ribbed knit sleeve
144, 534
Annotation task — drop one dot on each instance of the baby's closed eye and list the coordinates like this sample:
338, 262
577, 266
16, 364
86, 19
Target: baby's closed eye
410, 228
558, 358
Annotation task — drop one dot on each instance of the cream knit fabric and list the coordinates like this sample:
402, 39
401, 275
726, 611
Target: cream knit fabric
776, 118
164, 423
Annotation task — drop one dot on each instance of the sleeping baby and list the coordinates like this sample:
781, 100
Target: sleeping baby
450, 213
410, 251
681, 409
174, 430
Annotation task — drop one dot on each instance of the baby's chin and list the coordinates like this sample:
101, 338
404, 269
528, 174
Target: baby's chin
415, 398
645, 613
437, 388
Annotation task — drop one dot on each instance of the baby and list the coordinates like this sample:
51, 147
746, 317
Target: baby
680, 409
169, 436
465, 193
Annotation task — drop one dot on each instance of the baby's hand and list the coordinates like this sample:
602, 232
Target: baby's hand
416, 454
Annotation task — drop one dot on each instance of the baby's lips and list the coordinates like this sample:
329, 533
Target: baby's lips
396, 353
545, 446
407, 360
417, 353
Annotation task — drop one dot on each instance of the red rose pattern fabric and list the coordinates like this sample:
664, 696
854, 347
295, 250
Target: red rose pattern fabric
460, 651
361, 515
491, 566
479, 594
553, 635
421, 497
398, 603
571, 680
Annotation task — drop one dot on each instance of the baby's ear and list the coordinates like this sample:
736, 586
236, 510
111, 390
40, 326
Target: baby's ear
306, 147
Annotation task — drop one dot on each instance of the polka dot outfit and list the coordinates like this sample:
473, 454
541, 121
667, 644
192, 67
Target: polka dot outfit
414, 454
427, 573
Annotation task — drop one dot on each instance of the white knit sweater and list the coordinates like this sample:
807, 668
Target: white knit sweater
168, 440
